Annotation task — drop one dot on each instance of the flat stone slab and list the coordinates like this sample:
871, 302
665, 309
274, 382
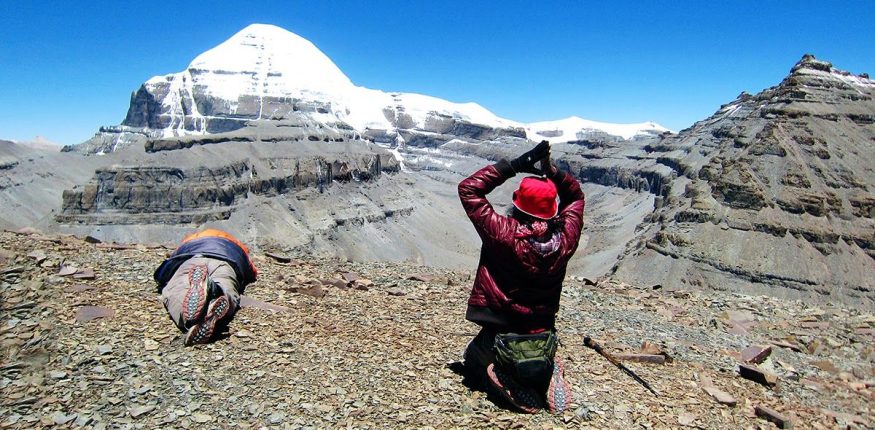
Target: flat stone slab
88, 313
115, 246
787, 345
84, 274
337, 283
642, 358
7, 270
758, 375
78, 288
773, 416
420, 277
720, 396
756, 354
279, 257
818, 325
67, 271
249, 302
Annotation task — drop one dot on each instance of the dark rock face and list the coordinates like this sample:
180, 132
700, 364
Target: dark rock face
144, 110
152, 192
169, 195
134, 195
293, 130
640, 179
774, 190
457, 129
215, 115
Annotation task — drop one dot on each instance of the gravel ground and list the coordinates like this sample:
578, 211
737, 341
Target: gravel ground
380, 350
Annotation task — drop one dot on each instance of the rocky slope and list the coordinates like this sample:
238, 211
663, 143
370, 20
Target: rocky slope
774, 193
325, 343
33, 179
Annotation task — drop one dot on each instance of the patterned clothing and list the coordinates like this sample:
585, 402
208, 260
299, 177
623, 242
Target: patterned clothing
221, 273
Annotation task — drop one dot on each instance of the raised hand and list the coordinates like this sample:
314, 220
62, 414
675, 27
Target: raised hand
526, 162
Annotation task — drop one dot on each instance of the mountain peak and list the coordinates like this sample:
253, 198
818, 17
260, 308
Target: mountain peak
809, 65
264, 72
264, 58
256, 28
808, 61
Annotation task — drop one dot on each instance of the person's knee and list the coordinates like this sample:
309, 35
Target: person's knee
477, 355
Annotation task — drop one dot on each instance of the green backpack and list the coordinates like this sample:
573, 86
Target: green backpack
528, 357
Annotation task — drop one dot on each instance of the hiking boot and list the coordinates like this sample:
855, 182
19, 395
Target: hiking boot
522, 397
203, 332
558, 392
194, 304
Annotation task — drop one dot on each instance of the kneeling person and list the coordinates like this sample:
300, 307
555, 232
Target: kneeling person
518, 283
201, 282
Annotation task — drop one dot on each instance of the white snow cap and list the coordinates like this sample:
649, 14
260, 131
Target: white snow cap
283, 63
564, 130
268, 61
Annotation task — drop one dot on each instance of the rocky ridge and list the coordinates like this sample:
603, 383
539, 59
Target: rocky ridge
255, 161
327, 343
774, 193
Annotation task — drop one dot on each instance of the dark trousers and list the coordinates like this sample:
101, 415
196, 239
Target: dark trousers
479, 354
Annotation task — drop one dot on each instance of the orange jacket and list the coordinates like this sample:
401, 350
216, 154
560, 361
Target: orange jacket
210, 243
212, 232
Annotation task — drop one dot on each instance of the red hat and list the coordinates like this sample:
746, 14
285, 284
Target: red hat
536, 197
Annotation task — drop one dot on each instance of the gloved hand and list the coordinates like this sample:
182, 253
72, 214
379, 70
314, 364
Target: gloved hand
549, 169
526, 162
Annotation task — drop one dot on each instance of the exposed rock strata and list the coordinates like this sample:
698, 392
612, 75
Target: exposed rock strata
156, 193
774, 190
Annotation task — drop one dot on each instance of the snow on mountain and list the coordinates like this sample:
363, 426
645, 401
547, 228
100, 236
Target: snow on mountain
809, 66
264, 61
265, 72
575, 128
267, 60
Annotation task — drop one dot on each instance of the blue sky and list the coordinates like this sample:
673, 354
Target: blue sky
67, 68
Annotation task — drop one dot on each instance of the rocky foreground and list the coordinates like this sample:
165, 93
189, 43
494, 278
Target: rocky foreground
326, 343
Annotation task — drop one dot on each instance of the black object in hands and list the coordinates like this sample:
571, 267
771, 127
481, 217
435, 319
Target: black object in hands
526, 162
549, 169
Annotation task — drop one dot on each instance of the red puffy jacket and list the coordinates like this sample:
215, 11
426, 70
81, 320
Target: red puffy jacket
516, 286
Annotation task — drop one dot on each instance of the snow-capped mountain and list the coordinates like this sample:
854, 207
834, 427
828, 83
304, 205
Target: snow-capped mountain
576, 128
267, 73
264, 64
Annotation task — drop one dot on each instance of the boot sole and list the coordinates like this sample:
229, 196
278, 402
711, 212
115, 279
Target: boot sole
203, 332
522, 397
559, 391
194, 303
